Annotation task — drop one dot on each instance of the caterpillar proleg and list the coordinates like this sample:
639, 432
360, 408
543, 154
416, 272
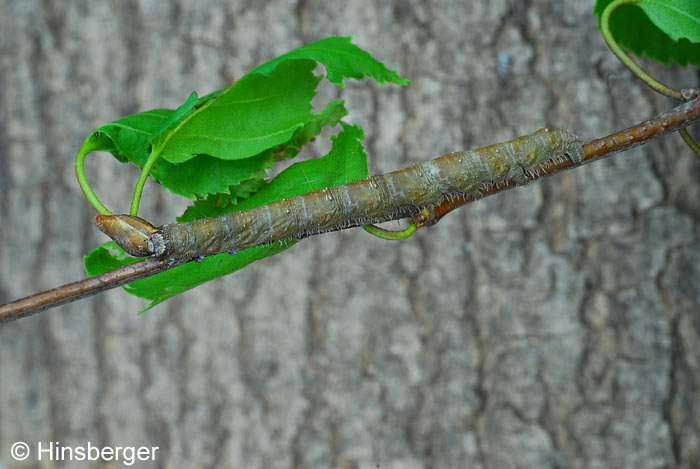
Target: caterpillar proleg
379, 198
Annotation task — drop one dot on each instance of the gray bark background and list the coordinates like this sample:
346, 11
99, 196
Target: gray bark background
555, 325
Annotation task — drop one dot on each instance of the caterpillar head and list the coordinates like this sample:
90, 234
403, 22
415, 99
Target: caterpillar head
132, 234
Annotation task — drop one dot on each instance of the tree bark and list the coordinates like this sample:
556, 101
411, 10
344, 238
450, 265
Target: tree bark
555, 325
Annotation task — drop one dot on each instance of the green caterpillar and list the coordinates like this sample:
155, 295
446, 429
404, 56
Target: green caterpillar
379, 198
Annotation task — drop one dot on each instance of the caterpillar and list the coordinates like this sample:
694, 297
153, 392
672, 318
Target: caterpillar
379, 198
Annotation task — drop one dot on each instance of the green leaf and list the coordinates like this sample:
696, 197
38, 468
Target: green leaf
205, 175
128, 140
174, 121
220, 203
636, 32
257, 119
107, 257
677, 18
341, 58
262, 119
346, 162
256, 113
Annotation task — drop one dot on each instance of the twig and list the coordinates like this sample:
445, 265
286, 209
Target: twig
670, 121
83, 288
677, 118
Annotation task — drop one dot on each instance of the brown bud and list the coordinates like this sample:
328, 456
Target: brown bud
129, 232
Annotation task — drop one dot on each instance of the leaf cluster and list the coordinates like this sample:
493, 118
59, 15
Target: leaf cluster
217, 150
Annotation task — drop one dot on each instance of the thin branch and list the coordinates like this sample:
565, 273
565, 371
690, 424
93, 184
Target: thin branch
83, 288
677, 118
670, 121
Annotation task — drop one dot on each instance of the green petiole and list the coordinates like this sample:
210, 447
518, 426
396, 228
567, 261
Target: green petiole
389, 234
143, 177
624, 58
91, 144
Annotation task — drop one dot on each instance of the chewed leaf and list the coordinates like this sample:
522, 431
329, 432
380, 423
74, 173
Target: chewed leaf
218, 204
341, 58
330, 116
263, 113
346, 162
205, 175
264, 117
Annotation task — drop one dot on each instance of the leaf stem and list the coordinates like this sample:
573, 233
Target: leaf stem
689, 141
91, 144
157, 148
143, 177
390, 234
624, 58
